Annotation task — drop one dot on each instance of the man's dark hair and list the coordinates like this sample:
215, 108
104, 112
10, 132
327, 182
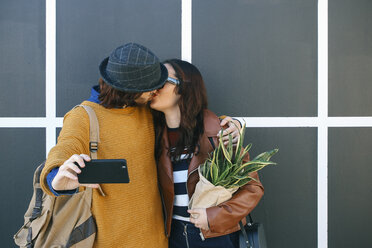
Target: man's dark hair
113, 98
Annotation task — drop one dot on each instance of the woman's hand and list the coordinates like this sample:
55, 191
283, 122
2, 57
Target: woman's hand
198, 216
66, 178
230, 127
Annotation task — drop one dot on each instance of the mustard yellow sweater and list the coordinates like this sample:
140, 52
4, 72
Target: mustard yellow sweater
130, 215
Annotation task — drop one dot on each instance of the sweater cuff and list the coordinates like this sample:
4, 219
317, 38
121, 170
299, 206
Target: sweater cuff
52, 174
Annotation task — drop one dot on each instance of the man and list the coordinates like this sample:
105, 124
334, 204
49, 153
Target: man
130, 215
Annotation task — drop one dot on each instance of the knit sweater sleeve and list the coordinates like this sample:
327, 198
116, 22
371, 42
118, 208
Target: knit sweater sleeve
73, 139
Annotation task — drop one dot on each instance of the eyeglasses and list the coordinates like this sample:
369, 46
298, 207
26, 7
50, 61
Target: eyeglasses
172, 81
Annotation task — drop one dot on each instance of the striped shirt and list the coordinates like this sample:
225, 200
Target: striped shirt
180, 170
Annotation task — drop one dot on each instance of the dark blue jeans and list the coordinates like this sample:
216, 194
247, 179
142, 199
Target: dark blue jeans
186, 235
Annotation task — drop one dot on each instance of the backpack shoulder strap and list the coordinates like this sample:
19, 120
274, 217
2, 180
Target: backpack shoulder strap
93, 135
93, 131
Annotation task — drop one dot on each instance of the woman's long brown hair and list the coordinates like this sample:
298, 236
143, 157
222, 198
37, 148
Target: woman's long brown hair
192, 103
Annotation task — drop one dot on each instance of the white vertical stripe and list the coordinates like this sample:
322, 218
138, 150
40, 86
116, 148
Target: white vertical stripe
50, 73
322, 186
322, 128
186, 32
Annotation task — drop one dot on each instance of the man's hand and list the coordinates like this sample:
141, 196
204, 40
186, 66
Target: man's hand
66, 178
230, 127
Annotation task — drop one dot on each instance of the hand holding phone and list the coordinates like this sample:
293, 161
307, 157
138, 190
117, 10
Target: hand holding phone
104, 171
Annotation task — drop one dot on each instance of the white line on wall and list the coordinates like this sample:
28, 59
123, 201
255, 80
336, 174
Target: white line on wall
50, 73
6, 122
322, 123
252, 122
186, 30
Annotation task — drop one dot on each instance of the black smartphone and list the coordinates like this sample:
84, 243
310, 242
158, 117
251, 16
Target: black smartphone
104, 171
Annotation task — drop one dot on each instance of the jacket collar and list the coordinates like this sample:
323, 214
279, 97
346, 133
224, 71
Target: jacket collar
165, 161
198, 158
201, 154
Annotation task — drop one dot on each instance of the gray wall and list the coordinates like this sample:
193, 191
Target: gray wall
350, 58
258, 59
288, 209
22, 60
350, 75
86, 35
261, 54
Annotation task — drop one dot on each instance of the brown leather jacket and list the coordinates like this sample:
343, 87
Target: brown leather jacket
224, 218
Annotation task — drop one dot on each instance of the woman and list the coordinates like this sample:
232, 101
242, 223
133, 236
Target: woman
185, 135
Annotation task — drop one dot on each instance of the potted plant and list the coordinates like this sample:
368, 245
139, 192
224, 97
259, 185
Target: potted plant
225, 171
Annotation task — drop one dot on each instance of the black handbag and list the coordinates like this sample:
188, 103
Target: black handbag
252, 235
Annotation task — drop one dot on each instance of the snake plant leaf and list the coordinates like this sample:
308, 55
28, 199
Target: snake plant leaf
242, 182
265, 156
224, 150
219, 156
205, 170
214, 169
240, 158
240, 177
224, 174
240, 141
230, 147
226, 182
252, 166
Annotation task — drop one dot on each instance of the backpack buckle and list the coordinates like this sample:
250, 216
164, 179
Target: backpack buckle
93, 146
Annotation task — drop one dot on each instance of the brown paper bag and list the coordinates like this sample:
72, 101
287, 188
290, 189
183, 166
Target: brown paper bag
207, 195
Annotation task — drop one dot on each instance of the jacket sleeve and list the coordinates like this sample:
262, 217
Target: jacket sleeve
229, 213
73, 139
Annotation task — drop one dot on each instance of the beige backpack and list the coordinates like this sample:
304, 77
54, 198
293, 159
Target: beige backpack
63, 221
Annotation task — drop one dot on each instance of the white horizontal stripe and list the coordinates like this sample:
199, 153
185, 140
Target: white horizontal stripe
279, 121
349, 121
181, 200
180, 176
178, 217
250, 121
306, 121
30, 122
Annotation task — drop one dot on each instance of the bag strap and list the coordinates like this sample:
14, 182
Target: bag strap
93, 131
93, 135
242, 229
